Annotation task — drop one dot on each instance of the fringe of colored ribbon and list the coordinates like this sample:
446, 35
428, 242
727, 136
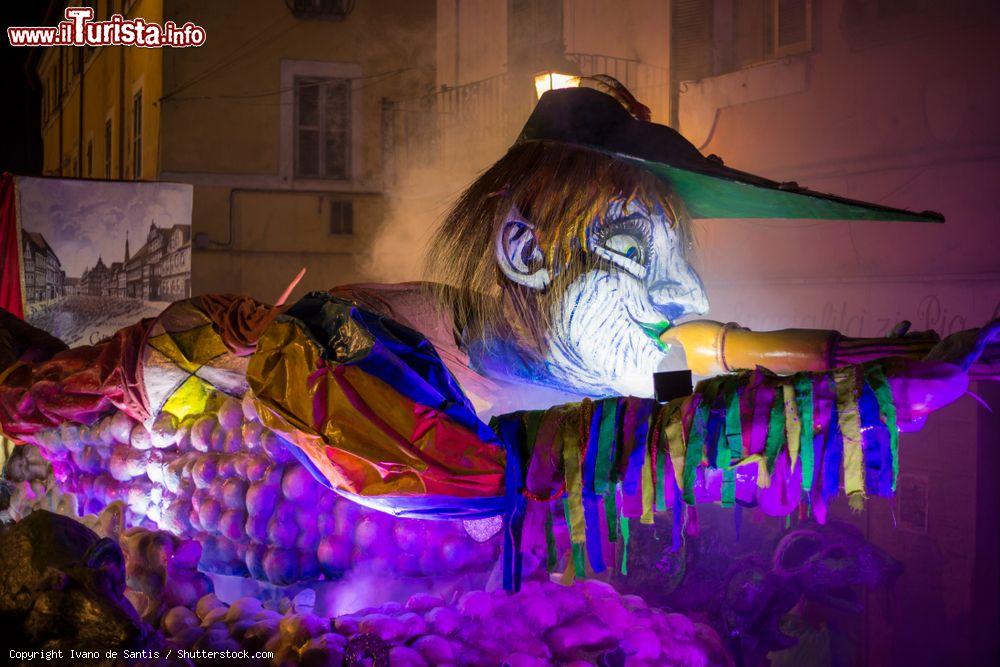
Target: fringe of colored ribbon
635, 457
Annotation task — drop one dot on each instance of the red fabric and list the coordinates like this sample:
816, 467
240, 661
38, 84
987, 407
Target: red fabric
238, 319
10, 265
78, 385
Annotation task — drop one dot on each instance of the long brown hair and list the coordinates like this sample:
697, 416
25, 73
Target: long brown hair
561, 189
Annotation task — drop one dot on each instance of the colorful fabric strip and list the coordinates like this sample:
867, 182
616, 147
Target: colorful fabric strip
733, 439
875, 376
804, 402
849, 420
793, 426
775, 436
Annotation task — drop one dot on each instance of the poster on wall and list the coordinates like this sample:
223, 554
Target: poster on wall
98, 256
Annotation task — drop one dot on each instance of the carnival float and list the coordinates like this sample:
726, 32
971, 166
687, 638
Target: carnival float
473, 470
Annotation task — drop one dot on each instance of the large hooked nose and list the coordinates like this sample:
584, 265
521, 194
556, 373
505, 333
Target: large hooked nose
676, 298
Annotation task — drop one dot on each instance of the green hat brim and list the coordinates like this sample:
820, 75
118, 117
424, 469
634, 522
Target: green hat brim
709, 196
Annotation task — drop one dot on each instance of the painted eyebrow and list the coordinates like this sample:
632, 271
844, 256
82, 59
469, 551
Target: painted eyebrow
628, 218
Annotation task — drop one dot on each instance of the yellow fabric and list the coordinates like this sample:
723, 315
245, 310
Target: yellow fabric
793, 425
328, 413
675, 437
569, 434
190, 398
849, 419
648, 469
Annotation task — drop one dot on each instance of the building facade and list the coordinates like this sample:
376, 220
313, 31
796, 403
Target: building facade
100, 116
889, 101
44, 277
488, 56
275, 120
158, 271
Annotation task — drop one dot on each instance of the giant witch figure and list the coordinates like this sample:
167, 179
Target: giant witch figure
563, 276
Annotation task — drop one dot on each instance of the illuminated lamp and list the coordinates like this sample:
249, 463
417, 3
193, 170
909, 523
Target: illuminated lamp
546, 81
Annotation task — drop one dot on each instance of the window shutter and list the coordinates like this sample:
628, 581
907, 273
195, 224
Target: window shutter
792, 26
691, 53
341, 218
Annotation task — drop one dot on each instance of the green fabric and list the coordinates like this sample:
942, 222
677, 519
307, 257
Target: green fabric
696, 443
611, 514
605, 443
661, 480
730, 441
625, 536
713, 197
696, 440
804, 402
532, 421
578, 562
775, 431
552, 554
875, 375
576, 549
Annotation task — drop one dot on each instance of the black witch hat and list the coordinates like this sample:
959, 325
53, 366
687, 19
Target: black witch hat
591, 119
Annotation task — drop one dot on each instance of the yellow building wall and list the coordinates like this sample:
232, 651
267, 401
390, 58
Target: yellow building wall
255, 225
108, 73
630, 29
472, 40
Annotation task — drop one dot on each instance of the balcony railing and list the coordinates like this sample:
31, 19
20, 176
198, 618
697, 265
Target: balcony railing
469, 126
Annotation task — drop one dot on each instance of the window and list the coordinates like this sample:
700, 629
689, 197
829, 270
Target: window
107, 148
767, 29
90, 157
322, 128
341, 218
137, 135
792, 28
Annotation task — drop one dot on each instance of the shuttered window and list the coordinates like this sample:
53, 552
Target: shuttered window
792, 26
341, 218
691, 45
322, 128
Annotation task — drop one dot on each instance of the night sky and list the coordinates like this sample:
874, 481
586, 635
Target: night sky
21, 146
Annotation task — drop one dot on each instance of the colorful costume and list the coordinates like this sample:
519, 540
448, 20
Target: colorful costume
372, 412
369, 407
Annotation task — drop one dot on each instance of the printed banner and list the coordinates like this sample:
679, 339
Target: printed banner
98, 256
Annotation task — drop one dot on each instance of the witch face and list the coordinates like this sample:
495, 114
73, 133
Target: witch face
605, 314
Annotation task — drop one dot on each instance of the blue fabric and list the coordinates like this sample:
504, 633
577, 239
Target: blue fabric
591, 501
833, 459
509, 428
632, 484
398, 355
877, 449
430, 507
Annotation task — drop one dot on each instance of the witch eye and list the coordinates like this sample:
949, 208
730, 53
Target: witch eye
627, 251
627, 246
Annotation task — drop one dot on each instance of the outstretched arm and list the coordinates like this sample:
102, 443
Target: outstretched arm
712, 348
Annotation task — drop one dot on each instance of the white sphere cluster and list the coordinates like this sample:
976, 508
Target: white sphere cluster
544, 624
233, 485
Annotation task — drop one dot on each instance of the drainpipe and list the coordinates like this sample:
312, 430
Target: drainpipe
79, 152
59, 93
458, 38
121, 113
